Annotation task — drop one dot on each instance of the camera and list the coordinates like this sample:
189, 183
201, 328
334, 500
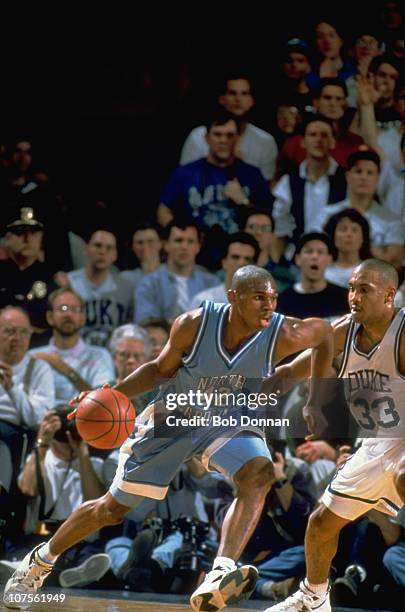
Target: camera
62, 411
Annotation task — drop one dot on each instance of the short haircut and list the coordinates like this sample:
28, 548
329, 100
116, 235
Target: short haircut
235, 75
248, 273
317, 117
325, 82
307, 237
132, 331
157, 323
182, 223
258, 211
61, 291
146, 225
385, 58
387, 273
356, 217
366, 154
244, 238
220, 117
11, 307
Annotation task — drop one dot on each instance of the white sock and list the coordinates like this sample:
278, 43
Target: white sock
224, 562
45, 555
318, 589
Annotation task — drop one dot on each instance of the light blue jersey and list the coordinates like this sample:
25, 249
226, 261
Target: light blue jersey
152, 455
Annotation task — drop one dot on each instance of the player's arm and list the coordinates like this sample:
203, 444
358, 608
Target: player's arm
151, 374
300, 367
401, 355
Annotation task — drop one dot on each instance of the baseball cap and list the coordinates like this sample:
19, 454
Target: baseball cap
297, 45
304, 238
26, 220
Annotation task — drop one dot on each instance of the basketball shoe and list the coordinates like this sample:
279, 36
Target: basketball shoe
89, 571
303, 600
223, 587
26, 580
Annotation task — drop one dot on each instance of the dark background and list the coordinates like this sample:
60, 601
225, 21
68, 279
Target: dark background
108, 95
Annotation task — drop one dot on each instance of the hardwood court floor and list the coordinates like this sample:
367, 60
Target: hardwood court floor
80, 600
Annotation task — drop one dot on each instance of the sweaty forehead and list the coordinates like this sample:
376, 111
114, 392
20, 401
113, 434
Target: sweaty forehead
367, 277
257, 285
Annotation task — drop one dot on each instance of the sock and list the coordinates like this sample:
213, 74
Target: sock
45, 555
223, 562
318, 589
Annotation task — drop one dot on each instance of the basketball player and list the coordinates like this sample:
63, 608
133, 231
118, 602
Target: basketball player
214, 347
372, 341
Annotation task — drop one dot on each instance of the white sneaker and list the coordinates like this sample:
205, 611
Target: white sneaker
91, 570
303, 600
26, 580
223, 587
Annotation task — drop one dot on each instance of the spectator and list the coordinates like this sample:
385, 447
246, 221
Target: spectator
331, 64
57, 477
259, 223
146, 247
158, 330
242, 250
288, 119
318, 182
296, 66
255, 146
313, 296
329, 100
213, 191
130, 347
394, 557
26, 393
387, 232
76, 365
366, 47
386, 71
108, 298
26, 385
26, 280
169, 290
350, 236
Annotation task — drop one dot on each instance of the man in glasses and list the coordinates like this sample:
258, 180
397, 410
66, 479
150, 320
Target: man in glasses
25, 278
76, 365
26, 394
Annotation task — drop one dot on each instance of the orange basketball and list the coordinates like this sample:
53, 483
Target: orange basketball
105, 418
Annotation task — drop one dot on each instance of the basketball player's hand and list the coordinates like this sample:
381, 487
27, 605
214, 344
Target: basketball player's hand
315, 421
78, 398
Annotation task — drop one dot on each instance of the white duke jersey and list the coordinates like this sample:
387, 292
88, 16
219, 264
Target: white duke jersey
374, 387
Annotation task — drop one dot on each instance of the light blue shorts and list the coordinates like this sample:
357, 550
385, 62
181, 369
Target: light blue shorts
148, 463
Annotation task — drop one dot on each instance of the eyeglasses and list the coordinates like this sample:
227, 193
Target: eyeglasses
260, 228
14, 331
67, 308
128, 354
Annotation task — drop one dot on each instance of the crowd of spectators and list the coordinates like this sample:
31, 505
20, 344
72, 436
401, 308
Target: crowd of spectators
307, 202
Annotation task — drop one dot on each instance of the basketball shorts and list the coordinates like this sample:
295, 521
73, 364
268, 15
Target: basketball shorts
148, 463
366, 481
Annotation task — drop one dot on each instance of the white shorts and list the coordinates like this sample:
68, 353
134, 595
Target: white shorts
366, 481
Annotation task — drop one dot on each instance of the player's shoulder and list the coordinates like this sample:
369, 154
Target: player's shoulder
186, 326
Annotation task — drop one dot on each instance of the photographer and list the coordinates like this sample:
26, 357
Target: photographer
57, 477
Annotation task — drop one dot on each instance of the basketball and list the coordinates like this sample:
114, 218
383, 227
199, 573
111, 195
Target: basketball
105, 418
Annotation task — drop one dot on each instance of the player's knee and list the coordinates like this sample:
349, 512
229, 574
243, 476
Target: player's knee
321, 524
257, 474
399, 481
